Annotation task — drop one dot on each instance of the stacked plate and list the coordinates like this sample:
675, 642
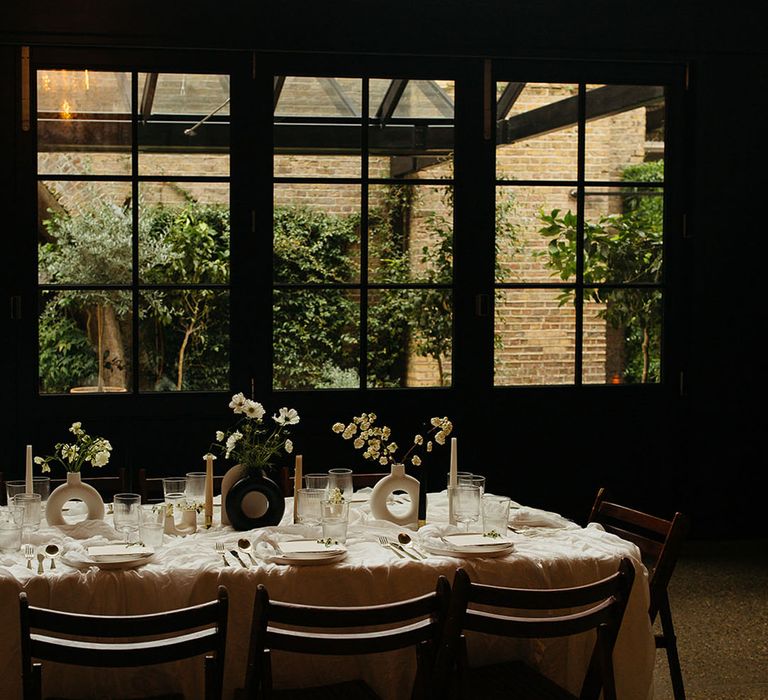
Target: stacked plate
470, 545
119, 556
308, 552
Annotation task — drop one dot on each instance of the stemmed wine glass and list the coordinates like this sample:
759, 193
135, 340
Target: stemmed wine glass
127, 513
466, 504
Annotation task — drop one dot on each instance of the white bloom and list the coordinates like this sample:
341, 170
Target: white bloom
286, 416
76, 428
392, 447
253, 409
288, 446
232, 441
383, 460
338, 427
416, 460
219, 435
418, 440
429, 446
237, 404
440, 437
38, 460
100, 459
358, 443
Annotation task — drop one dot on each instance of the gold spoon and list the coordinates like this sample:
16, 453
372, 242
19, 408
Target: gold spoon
405, 539
244, 545
52, 551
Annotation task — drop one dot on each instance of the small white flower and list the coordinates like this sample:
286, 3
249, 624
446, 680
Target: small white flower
286, 416
253, 410
415, 460
100, 459
237, 404
232, 441
429, 446
219, 435
38, 460
359, 443
383, 460
76, 428
392, 447
338, 427
288, 446
418, 440
440, 437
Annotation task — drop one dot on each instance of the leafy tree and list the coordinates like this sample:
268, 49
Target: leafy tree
622, 248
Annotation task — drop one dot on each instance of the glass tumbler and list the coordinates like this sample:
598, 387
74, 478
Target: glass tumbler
335, 519
496, 513
341, 479
31, 505
308, 506
40, 484
195, 488
126, 514
174, 490
11, 521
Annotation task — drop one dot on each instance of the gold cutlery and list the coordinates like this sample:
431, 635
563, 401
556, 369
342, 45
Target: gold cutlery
384, 542
52, 551
234, 553
40, 560
29, 554
400, 548
219, 546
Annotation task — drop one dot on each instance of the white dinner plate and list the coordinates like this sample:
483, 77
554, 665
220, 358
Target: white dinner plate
308, 558
122, 562
492, 549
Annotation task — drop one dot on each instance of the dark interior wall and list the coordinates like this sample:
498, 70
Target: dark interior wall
699, 451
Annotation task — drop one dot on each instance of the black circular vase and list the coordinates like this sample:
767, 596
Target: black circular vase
254, 501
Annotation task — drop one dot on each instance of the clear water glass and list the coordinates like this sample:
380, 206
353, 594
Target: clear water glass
195, 488
174, 490
341, 479
335, 520
11, 522
316, 481
126, 514
31, 505
496, 513
472, 480
459, 475
152, 524
40, 484
465, 504
308, 504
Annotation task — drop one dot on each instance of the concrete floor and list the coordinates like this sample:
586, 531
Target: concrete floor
719, 600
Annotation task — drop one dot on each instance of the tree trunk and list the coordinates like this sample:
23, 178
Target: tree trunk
113, 360
646, 354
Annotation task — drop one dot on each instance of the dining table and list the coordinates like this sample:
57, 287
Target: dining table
545, 550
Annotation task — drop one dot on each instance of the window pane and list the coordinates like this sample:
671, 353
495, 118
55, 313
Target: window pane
410, 336
85, 236
318, 97
534, 337
184, 233
622, 336
85, 341
410, 233
316, 233
537, 139
411, 132
625, 127
83, 122
184, 340
316, 339
623, 233
535, 234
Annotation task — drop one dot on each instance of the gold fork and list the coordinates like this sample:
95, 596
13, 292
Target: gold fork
220, 549
29, 554
384, 542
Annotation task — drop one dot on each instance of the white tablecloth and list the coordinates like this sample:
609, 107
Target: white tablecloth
549, 552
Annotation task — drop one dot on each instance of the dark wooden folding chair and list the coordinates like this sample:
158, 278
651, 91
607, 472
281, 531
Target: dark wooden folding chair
150, 488
535, 614
659, 541
307, 629
100, 641
107, 486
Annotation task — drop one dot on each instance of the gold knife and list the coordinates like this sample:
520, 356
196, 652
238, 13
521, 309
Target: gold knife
234, 553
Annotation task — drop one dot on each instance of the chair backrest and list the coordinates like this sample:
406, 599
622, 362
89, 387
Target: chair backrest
100, 640
150, 488
308, 629
658, 540
107, 486
601, 604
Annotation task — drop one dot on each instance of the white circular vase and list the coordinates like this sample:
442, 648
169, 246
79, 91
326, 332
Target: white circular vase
398, 480
74, 489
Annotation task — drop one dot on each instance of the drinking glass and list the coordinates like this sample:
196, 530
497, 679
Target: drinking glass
308, 506
40, 484
316, 481
341, 479
459, 475
472, 480
335, 518
30, 503
465, 504
11, 523
152, 524
126, 509
174, 490
496, 513
195, 489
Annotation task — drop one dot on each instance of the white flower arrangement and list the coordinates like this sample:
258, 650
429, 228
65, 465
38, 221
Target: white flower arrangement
86, 449
249, 442
375, 442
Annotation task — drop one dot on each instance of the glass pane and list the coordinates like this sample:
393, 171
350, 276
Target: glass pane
316, 233
622, 336
623, 233
85, 237
316, 339
537, 139
318, 97
184, 340
412, 130
410, 233
172, 141
625, 127
83, 122
85, 341
410, 335
316, 164
535, 234
534, 337
184, 233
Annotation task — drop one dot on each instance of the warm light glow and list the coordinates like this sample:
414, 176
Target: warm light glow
87, 81
45, 82
65, 110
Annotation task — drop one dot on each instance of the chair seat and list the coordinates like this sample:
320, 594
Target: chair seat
348, 690
512, 680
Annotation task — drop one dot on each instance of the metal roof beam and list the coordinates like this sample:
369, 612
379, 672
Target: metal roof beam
507, 99
390, 100
148, 97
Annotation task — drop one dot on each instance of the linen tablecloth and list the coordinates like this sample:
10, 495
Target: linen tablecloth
549, 552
